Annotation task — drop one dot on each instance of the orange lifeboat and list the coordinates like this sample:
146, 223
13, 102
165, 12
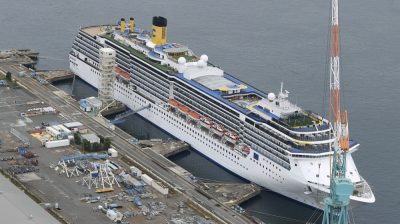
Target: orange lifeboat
121, 73
246, 149
232, 137
206, 122
194, 115
218, 129
184, 109
173, 102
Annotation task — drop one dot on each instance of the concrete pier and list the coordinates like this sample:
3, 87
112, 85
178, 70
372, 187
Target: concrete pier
165, 148
229, 193
52, 76
25, 57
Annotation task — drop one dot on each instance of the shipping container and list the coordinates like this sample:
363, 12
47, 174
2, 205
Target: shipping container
57, 143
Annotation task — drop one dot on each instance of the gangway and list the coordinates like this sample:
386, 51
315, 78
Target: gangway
127, 113
106, 107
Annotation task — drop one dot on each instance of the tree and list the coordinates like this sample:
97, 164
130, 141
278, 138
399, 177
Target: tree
87, 146
101, 139
77, 139
107, 143
96, 147
8, 76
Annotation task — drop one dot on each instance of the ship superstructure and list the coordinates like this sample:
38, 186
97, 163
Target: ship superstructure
261, 137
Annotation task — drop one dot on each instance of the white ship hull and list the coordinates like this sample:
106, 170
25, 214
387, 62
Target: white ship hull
295, 183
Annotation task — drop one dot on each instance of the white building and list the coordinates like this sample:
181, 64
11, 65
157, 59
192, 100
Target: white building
92, 138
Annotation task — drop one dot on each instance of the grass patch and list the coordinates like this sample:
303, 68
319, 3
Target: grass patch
298, 120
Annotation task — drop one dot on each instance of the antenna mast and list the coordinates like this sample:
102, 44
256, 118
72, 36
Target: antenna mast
336, 204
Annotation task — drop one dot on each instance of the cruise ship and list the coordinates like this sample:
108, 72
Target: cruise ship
262, 137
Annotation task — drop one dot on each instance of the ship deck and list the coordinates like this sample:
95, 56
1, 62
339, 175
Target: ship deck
96, 30
220, 96
248, 97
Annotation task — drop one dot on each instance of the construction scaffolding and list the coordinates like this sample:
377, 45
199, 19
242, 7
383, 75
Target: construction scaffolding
69, 168
106, 81
102, 176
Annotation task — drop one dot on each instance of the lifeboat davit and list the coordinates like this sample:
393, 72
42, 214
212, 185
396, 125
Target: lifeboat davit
206, 122
231, 137
246, 149
173, 102
194, 115
182, 108
218, 129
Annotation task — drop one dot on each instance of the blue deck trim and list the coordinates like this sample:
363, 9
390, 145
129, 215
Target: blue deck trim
218, 95
257, 117
262, 110
215, 94
152, 55
250, 89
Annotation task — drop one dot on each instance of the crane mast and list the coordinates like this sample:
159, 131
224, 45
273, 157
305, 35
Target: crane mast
337, 203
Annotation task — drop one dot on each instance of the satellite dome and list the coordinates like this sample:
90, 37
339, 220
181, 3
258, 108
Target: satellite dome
271, 96
201, 63
204, 58
181, 60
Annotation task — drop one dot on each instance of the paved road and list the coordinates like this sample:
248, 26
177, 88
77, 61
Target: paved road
154, 162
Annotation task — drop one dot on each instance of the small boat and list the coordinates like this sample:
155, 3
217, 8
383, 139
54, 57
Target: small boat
246, 149
231, 137
218, 129
194, 115
206, 122
173, 102
182, 108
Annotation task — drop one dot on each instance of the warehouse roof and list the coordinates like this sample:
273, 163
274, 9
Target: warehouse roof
17, 207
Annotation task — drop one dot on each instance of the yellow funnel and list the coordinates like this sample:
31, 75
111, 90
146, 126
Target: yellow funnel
159, 30
122, 25
131, 25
